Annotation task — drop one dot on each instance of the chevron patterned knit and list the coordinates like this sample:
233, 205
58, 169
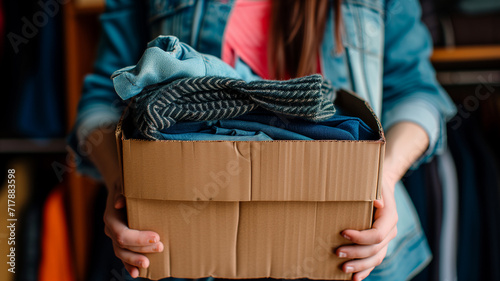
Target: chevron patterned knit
215, 98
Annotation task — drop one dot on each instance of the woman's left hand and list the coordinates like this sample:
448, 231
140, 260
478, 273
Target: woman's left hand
406, 141
370, 246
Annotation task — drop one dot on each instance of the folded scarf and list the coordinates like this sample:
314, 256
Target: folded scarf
160, 106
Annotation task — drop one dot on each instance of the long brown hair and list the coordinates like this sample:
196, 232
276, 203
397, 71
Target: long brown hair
296, 32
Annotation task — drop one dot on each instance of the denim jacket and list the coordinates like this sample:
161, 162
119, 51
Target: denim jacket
385, 60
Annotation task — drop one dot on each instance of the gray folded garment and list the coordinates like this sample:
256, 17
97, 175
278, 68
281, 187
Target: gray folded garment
160, 106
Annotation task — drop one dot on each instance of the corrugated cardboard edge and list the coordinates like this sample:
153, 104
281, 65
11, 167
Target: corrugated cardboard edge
119, 141
351, 96
380, 171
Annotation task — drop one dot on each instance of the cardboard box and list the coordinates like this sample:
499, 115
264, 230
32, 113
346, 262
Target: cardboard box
252, 209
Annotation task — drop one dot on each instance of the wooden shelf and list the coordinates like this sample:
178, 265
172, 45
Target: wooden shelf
468, 77
89, 6
466, 54
33, 145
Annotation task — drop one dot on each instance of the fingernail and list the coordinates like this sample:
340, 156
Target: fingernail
349, 269
346, 237
342, 255
152, 241
142, 264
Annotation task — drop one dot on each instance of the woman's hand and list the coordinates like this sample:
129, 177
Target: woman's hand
406, 141
370, 245
128, 244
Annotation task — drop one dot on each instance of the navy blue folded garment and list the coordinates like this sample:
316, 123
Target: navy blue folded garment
337, 127
228, 130
254, 125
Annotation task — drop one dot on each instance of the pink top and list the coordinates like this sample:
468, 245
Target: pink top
246, 35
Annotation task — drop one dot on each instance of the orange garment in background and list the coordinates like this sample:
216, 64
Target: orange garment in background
55, 262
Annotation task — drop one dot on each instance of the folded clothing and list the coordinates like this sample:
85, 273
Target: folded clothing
257, 124
337, 127
167, 59
221, 129
160, 106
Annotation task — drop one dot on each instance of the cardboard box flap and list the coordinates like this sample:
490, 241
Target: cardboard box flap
326, 170
314, 171
361, 108
119, 139
357, 106
218, 171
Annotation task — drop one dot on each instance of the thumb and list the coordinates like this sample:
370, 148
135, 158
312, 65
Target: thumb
379, 204
118, 199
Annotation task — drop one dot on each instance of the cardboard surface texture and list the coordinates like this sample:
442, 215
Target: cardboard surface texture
252, 209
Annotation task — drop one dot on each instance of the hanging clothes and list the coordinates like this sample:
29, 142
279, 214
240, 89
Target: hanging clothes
32, 72
488, 191
470, 255
449, 233
425, 189
55, 262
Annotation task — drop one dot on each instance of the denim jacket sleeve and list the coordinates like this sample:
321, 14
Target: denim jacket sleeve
410, 90
122, 40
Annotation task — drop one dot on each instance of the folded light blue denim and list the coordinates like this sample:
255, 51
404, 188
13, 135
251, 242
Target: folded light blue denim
160, 106
215, 134
165, 60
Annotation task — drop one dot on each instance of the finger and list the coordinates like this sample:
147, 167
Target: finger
132, 270
130, 257
386, 220
127, 238
362, 274
364, 264
364, 251
379, 204
155, 248
117, 198
119, 202
124, 236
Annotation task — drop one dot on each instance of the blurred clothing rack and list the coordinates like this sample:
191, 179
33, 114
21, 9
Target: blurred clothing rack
81, 30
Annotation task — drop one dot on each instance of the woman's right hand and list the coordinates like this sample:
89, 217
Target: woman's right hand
129, 244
